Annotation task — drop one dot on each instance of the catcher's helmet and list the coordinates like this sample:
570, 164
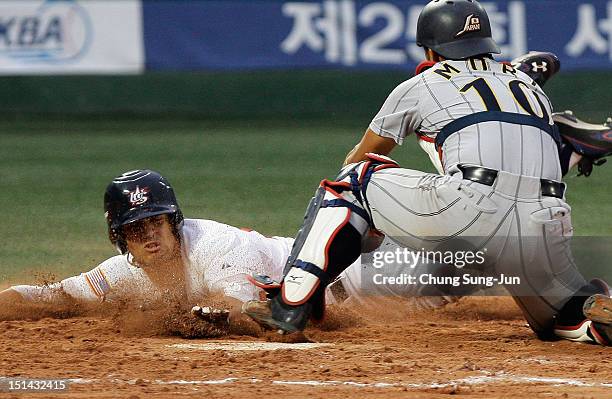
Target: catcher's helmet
455, 29
136, 195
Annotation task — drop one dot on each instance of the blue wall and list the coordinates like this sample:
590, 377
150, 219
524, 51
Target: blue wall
356, 34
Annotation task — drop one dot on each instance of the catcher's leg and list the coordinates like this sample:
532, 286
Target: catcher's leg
551, 290
328, 242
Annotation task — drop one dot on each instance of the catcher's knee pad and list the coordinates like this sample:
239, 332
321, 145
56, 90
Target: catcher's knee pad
330, 238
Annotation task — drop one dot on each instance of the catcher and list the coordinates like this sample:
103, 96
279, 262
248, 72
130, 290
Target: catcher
488, 128
583, 146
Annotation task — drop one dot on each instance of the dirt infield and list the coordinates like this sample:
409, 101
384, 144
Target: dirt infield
478, 347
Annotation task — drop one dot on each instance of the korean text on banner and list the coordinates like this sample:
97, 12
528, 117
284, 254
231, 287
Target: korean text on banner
357, 34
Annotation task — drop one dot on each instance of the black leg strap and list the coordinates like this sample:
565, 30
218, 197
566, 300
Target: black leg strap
341, 203
313, 269
359, 190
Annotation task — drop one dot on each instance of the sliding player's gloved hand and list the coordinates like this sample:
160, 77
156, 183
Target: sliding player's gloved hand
219, 317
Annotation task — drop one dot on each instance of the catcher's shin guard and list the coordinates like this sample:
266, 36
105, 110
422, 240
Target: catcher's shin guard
331, 237
329, 241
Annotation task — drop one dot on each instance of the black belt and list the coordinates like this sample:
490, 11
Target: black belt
550, 188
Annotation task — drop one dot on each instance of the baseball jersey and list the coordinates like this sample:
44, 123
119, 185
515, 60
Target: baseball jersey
216, 257
450, 90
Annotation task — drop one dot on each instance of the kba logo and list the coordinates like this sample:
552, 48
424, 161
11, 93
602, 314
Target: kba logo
50, 31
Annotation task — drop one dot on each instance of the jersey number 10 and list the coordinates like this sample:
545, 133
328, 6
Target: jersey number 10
516, 88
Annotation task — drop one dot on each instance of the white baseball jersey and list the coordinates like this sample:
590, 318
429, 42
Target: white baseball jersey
450, 90
217, 257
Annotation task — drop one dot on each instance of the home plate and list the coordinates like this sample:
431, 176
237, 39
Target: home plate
249, 346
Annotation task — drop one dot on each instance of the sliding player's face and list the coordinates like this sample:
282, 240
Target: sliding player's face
151, 241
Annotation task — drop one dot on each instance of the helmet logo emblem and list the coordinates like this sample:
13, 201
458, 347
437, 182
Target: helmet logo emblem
472, 24
138, 196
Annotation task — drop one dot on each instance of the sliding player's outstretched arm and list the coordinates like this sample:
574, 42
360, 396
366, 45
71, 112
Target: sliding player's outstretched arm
16, 306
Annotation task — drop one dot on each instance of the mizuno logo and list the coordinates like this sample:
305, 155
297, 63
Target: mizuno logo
293, 279
472, 24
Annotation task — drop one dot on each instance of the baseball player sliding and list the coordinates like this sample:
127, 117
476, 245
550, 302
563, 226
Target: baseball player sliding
161, 251
488, 128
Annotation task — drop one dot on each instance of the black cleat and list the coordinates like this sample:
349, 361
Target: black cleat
274, 315
539, 65
261, 313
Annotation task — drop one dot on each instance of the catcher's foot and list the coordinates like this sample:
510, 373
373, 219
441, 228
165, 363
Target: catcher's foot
262, 313
598, 309
539, 65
